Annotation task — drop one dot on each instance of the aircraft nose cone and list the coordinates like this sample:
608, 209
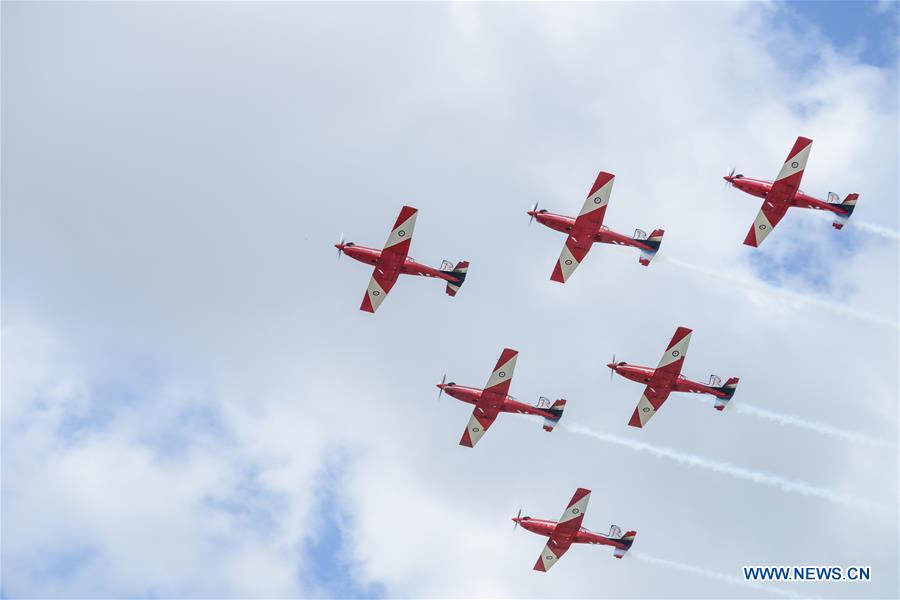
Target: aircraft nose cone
440, 386
728, 178
611, 366
339, 246
532, 213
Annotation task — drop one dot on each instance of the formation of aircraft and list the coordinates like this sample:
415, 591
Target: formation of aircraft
495, 399
568, 531
587, 229
667, 378
393, 261
582, 232
785, 192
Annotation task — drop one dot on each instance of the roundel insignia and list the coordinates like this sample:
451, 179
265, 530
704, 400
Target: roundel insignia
501, 374
376, 293
568, 261
575, 511
598, 200
762, 225
795, 164
675, 353
549, 557
475, 429
646, 409
401, 233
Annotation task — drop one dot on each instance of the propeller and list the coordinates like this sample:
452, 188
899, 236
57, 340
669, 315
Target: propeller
518, 516
612, 371
441, 390
730, 173
340, 245
533, 210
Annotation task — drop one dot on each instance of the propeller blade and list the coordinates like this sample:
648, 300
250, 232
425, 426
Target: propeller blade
518, 516
340, 246
533, 210
730, 173
612, 371
441, 390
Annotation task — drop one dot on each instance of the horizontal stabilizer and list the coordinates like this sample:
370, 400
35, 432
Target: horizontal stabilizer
729, 388
459, 273
654, 242
557, 411
847, 206
627, 540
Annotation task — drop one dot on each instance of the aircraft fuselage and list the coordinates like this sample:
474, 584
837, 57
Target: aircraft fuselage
681, 384
582, 536
564, 224
471, 395
761, 188
373, 256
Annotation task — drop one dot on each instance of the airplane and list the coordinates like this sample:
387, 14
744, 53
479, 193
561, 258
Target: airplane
666, 378
588, 229
495, 399
393, 261
569, 531
785, 193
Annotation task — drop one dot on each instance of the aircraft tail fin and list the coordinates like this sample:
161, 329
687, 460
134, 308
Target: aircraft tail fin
459, 273
847, 206
627, 540
557, 411
729, 388
654, 241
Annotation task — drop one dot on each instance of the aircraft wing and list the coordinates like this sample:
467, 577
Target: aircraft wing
588, 222
392, 258
660, 385
650, 401
564, 533
379, 285
778, 200
492, 398
479, 422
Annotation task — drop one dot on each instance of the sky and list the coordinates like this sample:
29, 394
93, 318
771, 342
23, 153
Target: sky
194, 406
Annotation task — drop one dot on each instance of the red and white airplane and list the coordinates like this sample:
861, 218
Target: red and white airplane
392, 261
569, 531
785, 192
495, 399
588, 229
666, 378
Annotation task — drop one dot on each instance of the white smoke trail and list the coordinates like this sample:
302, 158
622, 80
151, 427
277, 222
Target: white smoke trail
797, 298
731, 579
876, 229
801, 423
843, 434
782, 483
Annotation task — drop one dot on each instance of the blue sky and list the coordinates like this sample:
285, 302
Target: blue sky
866, 29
